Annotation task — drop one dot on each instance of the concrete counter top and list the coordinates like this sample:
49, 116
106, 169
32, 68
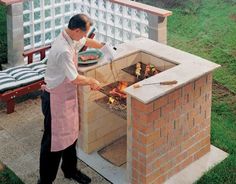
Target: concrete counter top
188, 67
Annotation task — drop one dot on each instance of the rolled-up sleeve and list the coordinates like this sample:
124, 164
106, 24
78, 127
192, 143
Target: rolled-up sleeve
66, 61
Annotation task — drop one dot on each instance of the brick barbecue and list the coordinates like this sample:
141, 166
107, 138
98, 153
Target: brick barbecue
167, 127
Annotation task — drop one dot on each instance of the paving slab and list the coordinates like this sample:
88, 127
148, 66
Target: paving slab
20, 137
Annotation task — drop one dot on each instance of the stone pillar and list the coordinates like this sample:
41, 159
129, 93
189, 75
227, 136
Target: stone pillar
15, 34
158, 28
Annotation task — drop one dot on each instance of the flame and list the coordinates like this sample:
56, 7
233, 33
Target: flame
111, 100
122, 85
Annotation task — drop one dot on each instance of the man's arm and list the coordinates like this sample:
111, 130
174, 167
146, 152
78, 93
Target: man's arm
66, 61
93, 43
82, 80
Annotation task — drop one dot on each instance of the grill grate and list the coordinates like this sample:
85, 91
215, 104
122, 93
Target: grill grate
118, 109
131, 70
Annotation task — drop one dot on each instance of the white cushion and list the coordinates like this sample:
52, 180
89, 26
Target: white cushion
7, 82
22, 75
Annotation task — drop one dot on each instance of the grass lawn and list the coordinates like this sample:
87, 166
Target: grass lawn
209, 32
223, 136
7, 176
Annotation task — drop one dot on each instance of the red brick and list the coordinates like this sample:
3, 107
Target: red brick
135, 134
162, 149
165, 110
175, 95
158, 163
161, 102
150, 116
134, 181
209, 78
200, 82
143, 127
152, 177
142, 147
134, 115
188, 89
181, 157
135, 175
178, 103
166, 167
163, 131
160, 122
150, 138
145, 108
186, 162
134, 164
172, 153
143, 167
134, 154
159, 142
202, 152
161, 179
151, 157
175, 115
186, 107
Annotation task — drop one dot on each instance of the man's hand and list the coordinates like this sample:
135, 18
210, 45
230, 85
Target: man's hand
94, 84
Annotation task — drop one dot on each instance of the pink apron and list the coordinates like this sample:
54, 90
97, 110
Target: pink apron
64, 113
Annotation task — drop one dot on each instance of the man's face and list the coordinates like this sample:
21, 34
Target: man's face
80, 33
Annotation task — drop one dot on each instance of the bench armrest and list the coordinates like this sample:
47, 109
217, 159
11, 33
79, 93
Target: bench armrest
41, 50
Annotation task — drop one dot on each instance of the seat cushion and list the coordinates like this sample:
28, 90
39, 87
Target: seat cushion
7, 82
38, 67
18, 76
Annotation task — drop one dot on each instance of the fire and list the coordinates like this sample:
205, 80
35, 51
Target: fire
111, 100
118, 91
122, 85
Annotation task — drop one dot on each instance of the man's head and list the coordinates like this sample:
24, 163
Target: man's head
79, 26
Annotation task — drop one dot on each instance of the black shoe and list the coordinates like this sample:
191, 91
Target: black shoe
79, 177
40, 182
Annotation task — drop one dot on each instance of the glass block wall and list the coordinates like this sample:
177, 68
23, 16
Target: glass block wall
44, 20
115, 23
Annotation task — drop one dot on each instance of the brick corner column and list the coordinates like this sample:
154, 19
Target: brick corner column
144, 136
15, 34
170, 132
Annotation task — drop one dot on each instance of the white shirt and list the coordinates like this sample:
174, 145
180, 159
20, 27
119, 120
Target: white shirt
60, 62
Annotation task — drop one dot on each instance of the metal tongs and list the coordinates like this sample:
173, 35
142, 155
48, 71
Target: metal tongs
161, 83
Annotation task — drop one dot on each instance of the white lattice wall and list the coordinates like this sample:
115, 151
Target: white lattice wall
44, 20
115, 23
35, 23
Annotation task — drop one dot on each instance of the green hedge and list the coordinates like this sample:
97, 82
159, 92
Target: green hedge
3, 35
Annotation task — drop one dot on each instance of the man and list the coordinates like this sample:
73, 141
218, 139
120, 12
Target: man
60, 105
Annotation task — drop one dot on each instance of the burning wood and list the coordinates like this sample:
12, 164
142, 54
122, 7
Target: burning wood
115, 104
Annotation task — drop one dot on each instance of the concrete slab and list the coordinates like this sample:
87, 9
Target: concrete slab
195, 170
20, 137
116, 175
190, 174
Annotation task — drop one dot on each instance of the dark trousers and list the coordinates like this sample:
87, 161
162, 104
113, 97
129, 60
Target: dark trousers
49, 161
